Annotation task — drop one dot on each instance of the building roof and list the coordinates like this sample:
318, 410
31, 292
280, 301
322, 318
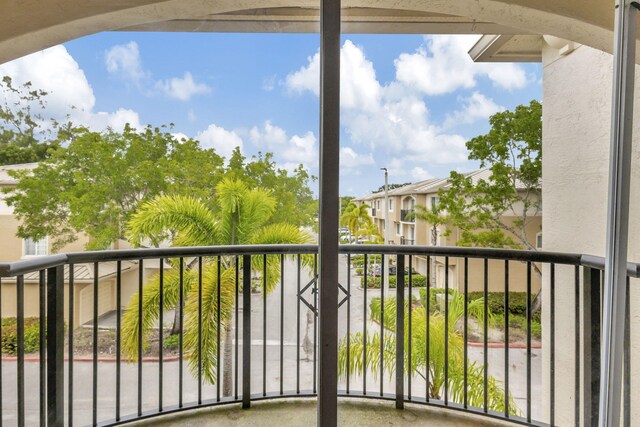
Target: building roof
83, 273
433, 185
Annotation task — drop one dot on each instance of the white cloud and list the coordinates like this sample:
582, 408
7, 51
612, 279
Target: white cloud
222, 140
307, 78
506, 76
179, 136
269, 136
56, 72
359, 87
419, 174
475, 107
182, 88
302, 149
116, 120
125, 59
289, 152
352, 162
390, 118
69, 93
443, 66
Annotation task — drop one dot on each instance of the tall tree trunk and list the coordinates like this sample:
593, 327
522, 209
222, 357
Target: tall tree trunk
227, 383
175, 329
227, 374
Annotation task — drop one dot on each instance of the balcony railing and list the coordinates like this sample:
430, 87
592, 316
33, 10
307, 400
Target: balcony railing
405, 241
404, 213
238, 343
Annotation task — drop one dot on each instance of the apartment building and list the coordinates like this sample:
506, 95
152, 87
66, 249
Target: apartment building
405, 230
14, 248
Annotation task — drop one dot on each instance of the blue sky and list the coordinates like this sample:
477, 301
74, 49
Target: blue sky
409, 102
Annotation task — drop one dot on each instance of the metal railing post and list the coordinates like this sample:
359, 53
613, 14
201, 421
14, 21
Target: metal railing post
330, 12
246, 331
618, 212
55, 349
400, 331
591, 344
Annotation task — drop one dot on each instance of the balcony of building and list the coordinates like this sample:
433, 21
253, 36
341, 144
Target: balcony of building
483, 373
406, 215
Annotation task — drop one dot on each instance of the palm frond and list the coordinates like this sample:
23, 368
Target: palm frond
210, 312
185, 215
151, 308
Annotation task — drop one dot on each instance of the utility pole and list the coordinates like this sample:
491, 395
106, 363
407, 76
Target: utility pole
385, 270
386, 206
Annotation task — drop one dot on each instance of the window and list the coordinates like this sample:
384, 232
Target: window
378, 204
35, 247
539, 240
397, 228
434, 202
390, 204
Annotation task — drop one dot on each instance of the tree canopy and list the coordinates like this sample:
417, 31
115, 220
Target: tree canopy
95, 183
295, 203
244, 217
512, 152
25, 134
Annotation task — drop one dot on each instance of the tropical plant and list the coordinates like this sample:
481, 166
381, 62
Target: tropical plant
355, 217
512, 152
242, 219
441, 327
434, 217
370, 232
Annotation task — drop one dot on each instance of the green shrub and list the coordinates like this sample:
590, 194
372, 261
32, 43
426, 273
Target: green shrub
520, 322
172, 342
372, 282
417, 281
517, 303
9, 339
359, 271
358, 260
433, 297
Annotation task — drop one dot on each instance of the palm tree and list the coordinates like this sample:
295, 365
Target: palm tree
241, 219
435, 219
370, 231
355, 217
439, 327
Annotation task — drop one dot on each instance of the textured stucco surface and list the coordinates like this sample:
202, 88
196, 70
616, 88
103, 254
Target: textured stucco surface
576, 130
292, 412
28, 26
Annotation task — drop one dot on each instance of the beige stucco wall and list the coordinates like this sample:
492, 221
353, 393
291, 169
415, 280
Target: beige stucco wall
30, 25
576, 129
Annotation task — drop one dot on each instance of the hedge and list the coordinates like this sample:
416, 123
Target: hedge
373, 282
9, 338
519, 322
358, 260
495, 301
517, 303
417, 281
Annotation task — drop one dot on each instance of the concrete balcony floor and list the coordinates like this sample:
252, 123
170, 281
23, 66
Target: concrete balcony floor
302, 412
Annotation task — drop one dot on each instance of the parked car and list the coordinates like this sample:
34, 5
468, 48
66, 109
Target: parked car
393, 269
375, 270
